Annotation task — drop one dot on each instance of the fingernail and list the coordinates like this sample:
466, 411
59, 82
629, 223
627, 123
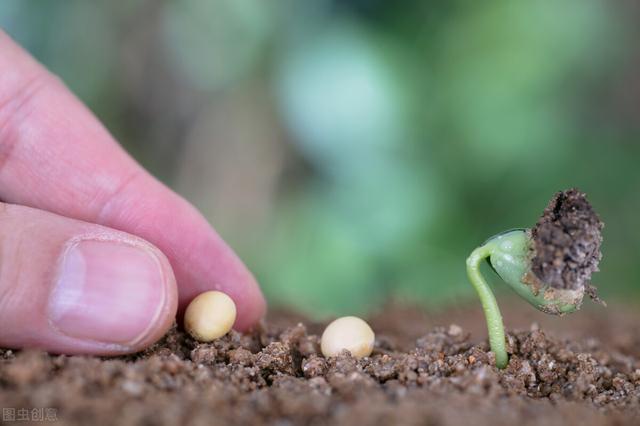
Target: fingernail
107, 291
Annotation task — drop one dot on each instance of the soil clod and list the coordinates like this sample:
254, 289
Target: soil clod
567, 242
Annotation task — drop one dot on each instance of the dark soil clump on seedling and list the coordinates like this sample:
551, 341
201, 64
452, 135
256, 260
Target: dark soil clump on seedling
419, 374
567, 242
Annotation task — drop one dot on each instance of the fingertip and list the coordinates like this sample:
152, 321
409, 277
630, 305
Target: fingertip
251, 306
78, 288
222, 270
230, 275
114, 291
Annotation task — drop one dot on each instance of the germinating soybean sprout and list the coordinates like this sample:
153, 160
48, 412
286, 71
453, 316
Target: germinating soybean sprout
549, 265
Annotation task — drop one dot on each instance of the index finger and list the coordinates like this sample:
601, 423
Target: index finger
56, 156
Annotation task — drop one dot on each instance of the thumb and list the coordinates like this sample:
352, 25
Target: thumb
73, 287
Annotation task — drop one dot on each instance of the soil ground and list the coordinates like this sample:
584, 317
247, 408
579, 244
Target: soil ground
426, 369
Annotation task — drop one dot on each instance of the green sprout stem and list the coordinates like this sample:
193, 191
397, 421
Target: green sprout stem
489, 304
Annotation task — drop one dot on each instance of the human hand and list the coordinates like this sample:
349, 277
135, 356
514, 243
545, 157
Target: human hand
96, 256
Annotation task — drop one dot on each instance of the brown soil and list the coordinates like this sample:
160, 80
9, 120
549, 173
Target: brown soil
420, 373
567, 242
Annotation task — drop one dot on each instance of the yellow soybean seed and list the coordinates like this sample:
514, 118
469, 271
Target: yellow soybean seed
210, 316
350, 333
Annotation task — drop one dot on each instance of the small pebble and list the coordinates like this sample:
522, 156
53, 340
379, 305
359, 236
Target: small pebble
132, 388
347, 333
210, 316
455, 330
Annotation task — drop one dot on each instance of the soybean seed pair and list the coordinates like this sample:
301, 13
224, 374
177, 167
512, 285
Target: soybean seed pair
211, 315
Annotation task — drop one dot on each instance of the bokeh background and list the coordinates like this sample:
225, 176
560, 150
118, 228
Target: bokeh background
355, 152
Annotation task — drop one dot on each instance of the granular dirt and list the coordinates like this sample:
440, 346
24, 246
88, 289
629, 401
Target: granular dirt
567, 242
418, 374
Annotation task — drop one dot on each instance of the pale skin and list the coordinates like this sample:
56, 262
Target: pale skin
96, 255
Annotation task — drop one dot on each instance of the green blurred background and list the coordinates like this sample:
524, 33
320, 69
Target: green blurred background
354, 152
